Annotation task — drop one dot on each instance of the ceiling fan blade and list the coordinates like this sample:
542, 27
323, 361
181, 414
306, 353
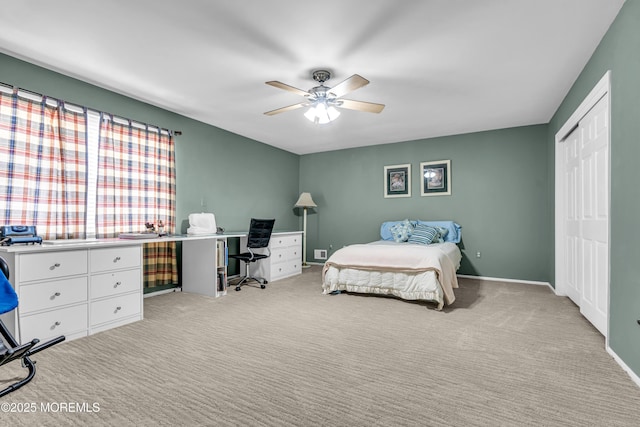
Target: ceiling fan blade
368, 107
349, 85
281, 85
284, 109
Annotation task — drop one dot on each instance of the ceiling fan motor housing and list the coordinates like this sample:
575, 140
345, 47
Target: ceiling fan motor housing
321, 76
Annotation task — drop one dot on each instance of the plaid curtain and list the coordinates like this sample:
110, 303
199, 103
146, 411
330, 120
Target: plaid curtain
42, 166
136, 185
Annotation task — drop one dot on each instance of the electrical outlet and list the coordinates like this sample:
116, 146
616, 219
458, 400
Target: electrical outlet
478, 254
320, 253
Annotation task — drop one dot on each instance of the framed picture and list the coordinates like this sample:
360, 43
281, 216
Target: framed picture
397, 181
435, 178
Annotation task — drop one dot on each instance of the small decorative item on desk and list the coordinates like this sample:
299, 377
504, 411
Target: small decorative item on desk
150, 233
161, 229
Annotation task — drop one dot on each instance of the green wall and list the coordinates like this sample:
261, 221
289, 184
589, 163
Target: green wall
499, 197
237, 178
619, 51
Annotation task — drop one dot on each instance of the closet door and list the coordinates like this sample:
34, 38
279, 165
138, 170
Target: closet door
594, 215
586, 213
573, 279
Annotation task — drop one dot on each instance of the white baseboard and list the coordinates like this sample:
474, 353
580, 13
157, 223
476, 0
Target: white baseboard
500, 279
624, 366
165, 291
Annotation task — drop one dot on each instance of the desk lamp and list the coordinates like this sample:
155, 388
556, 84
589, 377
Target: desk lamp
305, 201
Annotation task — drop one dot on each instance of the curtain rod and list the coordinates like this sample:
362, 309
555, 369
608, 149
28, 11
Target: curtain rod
12, 87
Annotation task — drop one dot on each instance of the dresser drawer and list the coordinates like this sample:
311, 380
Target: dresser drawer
285, 269
45, 295
115, 258
282, 241
118, 282
115, 308
278, 255
50, 324
52, 264
291, 253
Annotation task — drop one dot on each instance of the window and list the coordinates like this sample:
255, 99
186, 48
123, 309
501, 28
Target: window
78, 173
42, 166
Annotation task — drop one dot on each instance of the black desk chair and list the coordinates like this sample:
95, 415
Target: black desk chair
258, 237
10, 350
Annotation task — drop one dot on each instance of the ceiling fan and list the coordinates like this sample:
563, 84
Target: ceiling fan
322, 100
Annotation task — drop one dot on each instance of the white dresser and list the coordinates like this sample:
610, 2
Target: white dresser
285, 259
74, 292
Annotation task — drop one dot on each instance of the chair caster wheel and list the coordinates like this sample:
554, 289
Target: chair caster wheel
238, 288
262, 286
265, 282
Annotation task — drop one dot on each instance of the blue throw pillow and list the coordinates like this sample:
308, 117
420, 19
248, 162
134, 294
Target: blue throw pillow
442, 234
401, 231
385, 228
454, 233
423, 234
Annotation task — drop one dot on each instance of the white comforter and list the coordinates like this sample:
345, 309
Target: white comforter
409, 271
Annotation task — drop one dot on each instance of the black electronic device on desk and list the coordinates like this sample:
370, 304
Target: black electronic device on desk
11, 234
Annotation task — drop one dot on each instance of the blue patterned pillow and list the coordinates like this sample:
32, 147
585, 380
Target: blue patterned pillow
423, 234
385, 228
442, 234
401, 231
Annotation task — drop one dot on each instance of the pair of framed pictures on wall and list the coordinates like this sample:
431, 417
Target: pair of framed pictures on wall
435, 179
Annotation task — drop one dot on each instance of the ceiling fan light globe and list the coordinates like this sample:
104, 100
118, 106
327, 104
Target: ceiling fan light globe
321, 109
333, 113
311, 114
321, 113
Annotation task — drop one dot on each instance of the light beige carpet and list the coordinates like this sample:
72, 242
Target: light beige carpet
504, 354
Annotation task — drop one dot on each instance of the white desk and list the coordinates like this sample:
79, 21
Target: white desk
77, 288
81, 287
197, 270
202, 263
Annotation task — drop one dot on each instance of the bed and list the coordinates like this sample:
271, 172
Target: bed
414, 260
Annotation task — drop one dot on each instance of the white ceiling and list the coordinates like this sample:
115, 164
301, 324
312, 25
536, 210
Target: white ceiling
442, 67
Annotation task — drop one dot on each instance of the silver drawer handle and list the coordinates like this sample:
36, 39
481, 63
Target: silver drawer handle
54, 266
118, 308
57, 294
117, 284
56, 324
116, 259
